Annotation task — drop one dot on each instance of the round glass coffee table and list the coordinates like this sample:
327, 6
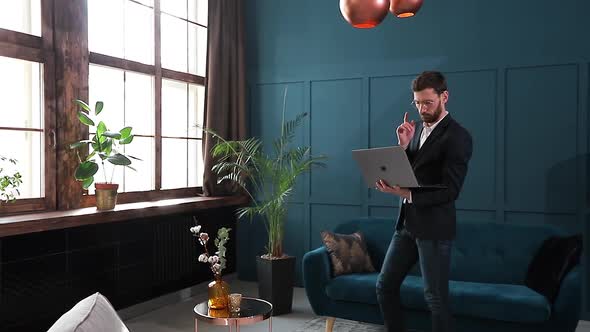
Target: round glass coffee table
252, 310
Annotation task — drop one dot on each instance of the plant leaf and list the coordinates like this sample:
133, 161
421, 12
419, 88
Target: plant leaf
127, 139
83, 105
87, 182
91, 155
125, 132
86, 170
98, 107
78, 144
85, 119
131, 168
134, 157
112, 134
107, 147
119, 159
101, 128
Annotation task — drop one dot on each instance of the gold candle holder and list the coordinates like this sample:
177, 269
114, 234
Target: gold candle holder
234, 302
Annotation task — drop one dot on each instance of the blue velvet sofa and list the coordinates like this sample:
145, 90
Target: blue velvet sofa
488, 267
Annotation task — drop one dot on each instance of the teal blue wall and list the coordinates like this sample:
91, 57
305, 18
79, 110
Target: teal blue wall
518, 81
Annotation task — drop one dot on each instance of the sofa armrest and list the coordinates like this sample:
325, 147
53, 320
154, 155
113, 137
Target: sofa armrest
316, 275
566, 309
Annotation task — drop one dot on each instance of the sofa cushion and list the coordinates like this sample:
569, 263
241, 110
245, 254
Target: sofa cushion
513, 303
348, 253
554, 259
92, 314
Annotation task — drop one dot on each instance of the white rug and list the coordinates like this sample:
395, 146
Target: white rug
340, 325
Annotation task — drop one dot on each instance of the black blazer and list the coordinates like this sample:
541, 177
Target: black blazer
442, 159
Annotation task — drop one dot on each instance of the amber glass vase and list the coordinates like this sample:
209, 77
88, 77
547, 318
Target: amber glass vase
218, 293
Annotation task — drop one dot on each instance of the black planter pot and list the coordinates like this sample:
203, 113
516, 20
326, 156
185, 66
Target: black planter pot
276, 278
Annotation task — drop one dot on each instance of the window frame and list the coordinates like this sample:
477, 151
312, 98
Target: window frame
42, 49
22, 46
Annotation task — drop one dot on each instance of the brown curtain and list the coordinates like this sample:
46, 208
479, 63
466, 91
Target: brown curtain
225, 110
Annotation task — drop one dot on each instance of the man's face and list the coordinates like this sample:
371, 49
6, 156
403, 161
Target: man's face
430, 104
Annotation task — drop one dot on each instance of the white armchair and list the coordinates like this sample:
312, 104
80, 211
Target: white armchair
93, 314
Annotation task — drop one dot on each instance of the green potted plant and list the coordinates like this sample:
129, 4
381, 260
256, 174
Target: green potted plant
105, 145
268, 179
9, 181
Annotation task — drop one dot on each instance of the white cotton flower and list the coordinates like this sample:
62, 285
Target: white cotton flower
217, 267
213, 259
204, 237
197, 228
203, 258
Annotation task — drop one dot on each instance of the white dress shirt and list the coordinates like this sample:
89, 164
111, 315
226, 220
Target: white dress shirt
423, 136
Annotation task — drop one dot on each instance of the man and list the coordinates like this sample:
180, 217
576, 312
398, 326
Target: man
439, 150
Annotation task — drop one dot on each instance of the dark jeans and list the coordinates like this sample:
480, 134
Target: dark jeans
435, 260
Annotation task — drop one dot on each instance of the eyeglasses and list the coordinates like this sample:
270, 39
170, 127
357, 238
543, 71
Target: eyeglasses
419, 103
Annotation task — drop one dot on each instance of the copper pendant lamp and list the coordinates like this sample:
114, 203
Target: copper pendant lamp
364, 14
405, 8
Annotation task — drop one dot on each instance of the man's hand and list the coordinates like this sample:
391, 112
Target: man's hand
383, 187
405, 131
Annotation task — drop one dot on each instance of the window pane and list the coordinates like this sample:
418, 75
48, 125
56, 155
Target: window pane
174, 7
107, 85
174, 108
196, 105
174, 163
27, 148
139, 103
195, 163
139, 33
174, 47
22, 93
106, 27
21, 15
197, 11
142, 179
197, 48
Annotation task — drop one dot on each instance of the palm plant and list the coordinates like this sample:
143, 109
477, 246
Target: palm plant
267, 179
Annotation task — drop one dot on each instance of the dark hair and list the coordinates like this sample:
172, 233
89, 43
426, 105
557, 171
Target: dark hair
430, 79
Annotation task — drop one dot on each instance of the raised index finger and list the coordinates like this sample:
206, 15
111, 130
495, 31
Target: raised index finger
406, 117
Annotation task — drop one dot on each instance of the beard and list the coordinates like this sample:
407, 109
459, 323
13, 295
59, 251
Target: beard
431, 118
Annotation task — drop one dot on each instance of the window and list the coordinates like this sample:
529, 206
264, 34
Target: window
147, 62
129, 101
148, 66
24, 124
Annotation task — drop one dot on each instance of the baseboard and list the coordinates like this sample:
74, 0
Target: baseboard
168, 299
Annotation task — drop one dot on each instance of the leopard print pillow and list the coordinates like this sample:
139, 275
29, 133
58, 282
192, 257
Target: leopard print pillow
348, 253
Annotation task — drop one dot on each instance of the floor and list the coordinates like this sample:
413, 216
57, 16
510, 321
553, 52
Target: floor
178, 317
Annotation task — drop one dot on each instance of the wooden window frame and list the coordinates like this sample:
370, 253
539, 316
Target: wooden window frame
158, 73
22, 46
65, 25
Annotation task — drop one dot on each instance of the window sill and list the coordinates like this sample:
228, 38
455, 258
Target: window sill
45, 221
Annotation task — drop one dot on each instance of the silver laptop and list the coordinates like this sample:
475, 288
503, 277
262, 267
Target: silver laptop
390, 164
